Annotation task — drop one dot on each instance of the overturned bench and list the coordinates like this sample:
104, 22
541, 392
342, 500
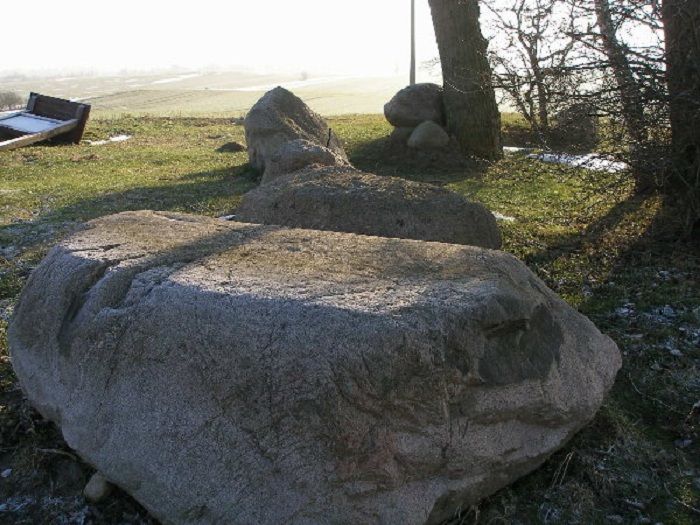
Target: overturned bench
44, 118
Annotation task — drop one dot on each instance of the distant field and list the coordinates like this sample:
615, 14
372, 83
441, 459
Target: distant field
209, 93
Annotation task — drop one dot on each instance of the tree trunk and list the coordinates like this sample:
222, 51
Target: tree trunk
682, 33
470, 102
630, 96
542, 109
632, 107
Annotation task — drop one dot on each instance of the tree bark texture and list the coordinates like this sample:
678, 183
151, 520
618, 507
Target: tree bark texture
470, 101
681, 20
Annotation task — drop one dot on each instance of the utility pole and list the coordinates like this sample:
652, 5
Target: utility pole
412, 80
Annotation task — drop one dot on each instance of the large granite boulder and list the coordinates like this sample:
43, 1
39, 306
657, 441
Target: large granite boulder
279, 117
415, 104
236, 373
348, 200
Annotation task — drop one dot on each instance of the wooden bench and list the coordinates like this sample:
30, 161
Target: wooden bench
44, 118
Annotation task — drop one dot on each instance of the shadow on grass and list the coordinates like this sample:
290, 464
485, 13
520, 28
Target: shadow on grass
643, 446
592, 236
390, 157
196, 193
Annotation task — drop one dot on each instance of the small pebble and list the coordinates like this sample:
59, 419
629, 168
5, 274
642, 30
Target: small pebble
667, 311
683, 443
97, 489
6, 473
635, 504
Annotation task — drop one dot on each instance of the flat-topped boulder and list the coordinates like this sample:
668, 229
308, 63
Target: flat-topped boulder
238, 373
348, 200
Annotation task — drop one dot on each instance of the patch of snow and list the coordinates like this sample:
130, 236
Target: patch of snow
6, 309
513, 149
683, 443
667, 311
503, 217
17, 503
625, 311
227, 217
67, 510
692, 334
664, 315
118, 138
590, 161
176, 79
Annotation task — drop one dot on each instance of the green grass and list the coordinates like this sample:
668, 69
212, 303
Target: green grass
167, 163
600, 247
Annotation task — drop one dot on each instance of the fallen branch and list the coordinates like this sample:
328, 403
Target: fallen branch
667, 407
57, 451
689, 507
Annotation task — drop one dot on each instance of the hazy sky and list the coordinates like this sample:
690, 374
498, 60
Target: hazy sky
357, 36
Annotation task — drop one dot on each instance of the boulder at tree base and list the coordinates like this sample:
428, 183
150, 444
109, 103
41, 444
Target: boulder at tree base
428, 136
415, 104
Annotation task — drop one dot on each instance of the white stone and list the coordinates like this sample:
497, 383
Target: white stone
97, 489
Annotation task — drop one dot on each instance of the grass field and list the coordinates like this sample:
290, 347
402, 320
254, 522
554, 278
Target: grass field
597, 245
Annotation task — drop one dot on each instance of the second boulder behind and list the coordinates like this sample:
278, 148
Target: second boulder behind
280, 117
347, 200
